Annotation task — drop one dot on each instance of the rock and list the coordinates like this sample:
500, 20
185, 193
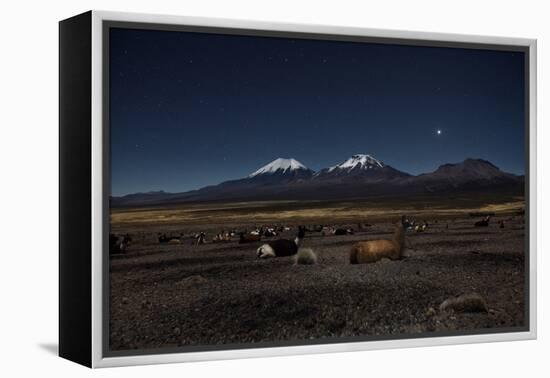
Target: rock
472, 302
430, 312
195, 279
177, 331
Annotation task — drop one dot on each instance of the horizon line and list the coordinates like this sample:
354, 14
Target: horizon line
306, 167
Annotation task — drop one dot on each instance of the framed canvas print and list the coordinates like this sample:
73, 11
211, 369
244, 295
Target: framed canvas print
235, 189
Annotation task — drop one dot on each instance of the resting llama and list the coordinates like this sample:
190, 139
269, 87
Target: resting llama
281, 247
249, 238
366, 252
484, 222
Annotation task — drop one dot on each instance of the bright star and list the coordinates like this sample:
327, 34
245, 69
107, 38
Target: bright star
438, 132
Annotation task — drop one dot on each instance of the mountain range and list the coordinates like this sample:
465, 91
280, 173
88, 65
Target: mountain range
360, 176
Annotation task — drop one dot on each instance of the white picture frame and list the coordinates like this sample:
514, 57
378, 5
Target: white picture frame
97, 263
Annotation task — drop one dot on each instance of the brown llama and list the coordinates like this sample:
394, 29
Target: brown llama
249, 238
366, 252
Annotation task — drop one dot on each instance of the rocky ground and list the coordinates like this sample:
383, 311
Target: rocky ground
220, 293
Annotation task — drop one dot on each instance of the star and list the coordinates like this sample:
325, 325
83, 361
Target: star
438, 132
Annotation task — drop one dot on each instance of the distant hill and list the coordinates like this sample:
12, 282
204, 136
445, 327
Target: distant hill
469, 174
360, 176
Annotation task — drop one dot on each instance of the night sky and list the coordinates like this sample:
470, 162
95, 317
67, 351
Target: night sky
192, 109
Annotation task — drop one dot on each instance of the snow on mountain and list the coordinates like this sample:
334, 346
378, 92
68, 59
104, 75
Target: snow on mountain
359, 176
279, 165
360, 167
359, 160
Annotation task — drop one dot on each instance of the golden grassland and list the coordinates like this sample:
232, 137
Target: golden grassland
313, 211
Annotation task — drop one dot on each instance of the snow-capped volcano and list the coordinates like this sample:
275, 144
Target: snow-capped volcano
362, 167
280, 166
360, 176
358, 161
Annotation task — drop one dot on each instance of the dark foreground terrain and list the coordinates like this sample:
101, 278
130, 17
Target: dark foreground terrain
220, 293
